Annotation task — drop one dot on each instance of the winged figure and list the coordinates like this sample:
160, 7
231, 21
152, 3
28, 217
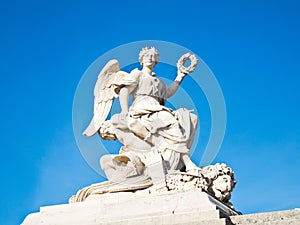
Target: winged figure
105, 91
155, 139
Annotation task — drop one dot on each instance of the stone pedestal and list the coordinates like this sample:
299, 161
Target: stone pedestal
182, 208
286, 217
189, 207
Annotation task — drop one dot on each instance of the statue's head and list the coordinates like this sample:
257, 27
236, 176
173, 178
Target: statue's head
146, 54
221, 179
222, 186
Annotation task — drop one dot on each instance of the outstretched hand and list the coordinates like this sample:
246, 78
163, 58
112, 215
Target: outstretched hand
180, 75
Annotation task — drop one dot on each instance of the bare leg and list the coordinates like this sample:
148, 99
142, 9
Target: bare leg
129, 139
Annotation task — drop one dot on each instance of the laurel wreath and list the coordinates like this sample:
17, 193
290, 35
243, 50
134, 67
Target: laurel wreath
191, 67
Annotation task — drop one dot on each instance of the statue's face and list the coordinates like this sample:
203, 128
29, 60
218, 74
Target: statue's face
223, 183
222, 186
149, 59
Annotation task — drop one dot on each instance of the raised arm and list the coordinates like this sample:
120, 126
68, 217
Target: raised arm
175, 85
182, 72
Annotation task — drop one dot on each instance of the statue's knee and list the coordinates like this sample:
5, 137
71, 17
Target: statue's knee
115, 119
105, 161
133, 125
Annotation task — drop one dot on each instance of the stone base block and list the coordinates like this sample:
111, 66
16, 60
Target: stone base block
291, 217
189, 207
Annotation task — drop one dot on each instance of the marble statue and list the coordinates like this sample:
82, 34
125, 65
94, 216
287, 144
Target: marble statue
156, 139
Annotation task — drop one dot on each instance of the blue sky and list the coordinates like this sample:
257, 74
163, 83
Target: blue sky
252, 47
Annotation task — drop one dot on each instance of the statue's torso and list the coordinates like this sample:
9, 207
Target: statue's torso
150, 86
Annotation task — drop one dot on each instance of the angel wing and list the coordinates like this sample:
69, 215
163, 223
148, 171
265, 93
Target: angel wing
104, 95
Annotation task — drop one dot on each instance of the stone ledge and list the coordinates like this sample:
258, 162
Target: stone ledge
197, 208
279, 217
170, 220
187, 207
280, 222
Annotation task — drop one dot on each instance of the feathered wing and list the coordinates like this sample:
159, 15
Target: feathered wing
104, 95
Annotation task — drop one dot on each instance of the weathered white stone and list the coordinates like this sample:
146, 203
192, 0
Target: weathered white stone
280, 217
210, 217
156, 139
33, 218
139, 208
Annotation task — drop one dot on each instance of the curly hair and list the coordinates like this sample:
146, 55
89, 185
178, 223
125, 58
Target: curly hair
146, 50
